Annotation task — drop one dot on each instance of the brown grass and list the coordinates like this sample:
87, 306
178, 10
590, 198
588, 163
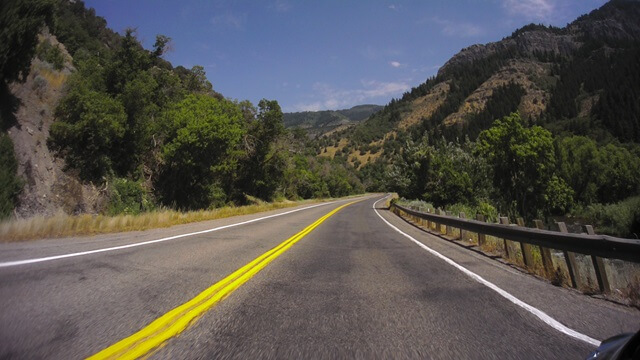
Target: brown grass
515, 71
55, 79
425, 106
632, 292
63, 225
331, 150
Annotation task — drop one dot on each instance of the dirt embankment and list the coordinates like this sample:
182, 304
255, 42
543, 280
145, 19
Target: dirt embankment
48, 189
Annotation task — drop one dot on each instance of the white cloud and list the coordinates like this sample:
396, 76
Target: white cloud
326, 97
457, 29
396, 64
315, 106
228, 19
393, 7
282, 6
531, 9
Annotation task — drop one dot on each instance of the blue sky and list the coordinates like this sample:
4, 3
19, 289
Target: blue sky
326, 54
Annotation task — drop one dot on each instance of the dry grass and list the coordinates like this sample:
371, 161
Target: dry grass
425, 106
66, 225
364, 159
55, 79
515, 71
331, 150
632, 292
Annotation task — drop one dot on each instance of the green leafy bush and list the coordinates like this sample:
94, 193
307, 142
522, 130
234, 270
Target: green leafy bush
620, 219
484, 208
10, 184
200, 135
21, 22
90, 128
128, 197
522, 160
558, 196
51, 54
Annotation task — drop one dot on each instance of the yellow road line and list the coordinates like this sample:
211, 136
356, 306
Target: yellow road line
178, 319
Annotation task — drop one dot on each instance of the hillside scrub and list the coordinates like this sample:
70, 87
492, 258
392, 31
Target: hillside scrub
619, 219
161, 136
523, 171
10, 184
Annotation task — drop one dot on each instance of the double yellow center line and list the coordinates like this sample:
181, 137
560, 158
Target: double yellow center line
178, 319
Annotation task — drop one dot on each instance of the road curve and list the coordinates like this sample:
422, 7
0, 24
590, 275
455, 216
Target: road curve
353, 286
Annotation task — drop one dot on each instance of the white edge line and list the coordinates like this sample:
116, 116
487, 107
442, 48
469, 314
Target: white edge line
535, 311
64, 256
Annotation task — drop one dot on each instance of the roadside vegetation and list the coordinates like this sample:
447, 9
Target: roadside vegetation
63, 225
154, 136
521, 171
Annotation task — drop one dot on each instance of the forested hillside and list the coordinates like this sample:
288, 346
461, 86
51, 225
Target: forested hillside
127, 131
317, 123
544, 122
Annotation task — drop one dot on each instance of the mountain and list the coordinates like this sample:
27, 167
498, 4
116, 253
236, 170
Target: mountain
324, 122
583, 79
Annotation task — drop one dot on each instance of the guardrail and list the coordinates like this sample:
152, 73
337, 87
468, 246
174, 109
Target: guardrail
596, 246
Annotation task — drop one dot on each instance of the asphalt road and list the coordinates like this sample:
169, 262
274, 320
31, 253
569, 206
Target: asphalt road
353, 287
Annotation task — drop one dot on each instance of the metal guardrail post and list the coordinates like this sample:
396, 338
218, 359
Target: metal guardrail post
462, 216
448, 229
527, 254
482, 238
598, 266
570, 258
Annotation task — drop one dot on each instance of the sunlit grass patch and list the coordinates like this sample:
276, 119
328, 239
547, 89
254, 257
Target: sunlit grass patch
62, 225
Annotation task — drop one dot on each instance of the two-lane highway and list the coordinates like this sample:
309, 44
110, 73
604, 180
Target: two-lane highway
351, 285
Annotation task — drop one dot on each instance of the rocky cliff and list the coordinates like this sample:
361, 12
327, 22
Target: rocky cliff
48, 189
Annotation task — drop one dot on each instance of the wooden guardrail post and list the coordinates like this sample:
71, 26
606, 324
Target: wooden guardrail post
441, 226
527, 255
545, 253
598, 266
462, 216
434, 225
505, 221
570, 258
428, 221
448, 229
481, 237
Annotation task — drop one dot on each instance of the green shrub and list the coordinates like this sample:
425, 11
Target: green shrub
128, 197
489, 211
558, 196
10, 184
620, 219
51, 54
416, 204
